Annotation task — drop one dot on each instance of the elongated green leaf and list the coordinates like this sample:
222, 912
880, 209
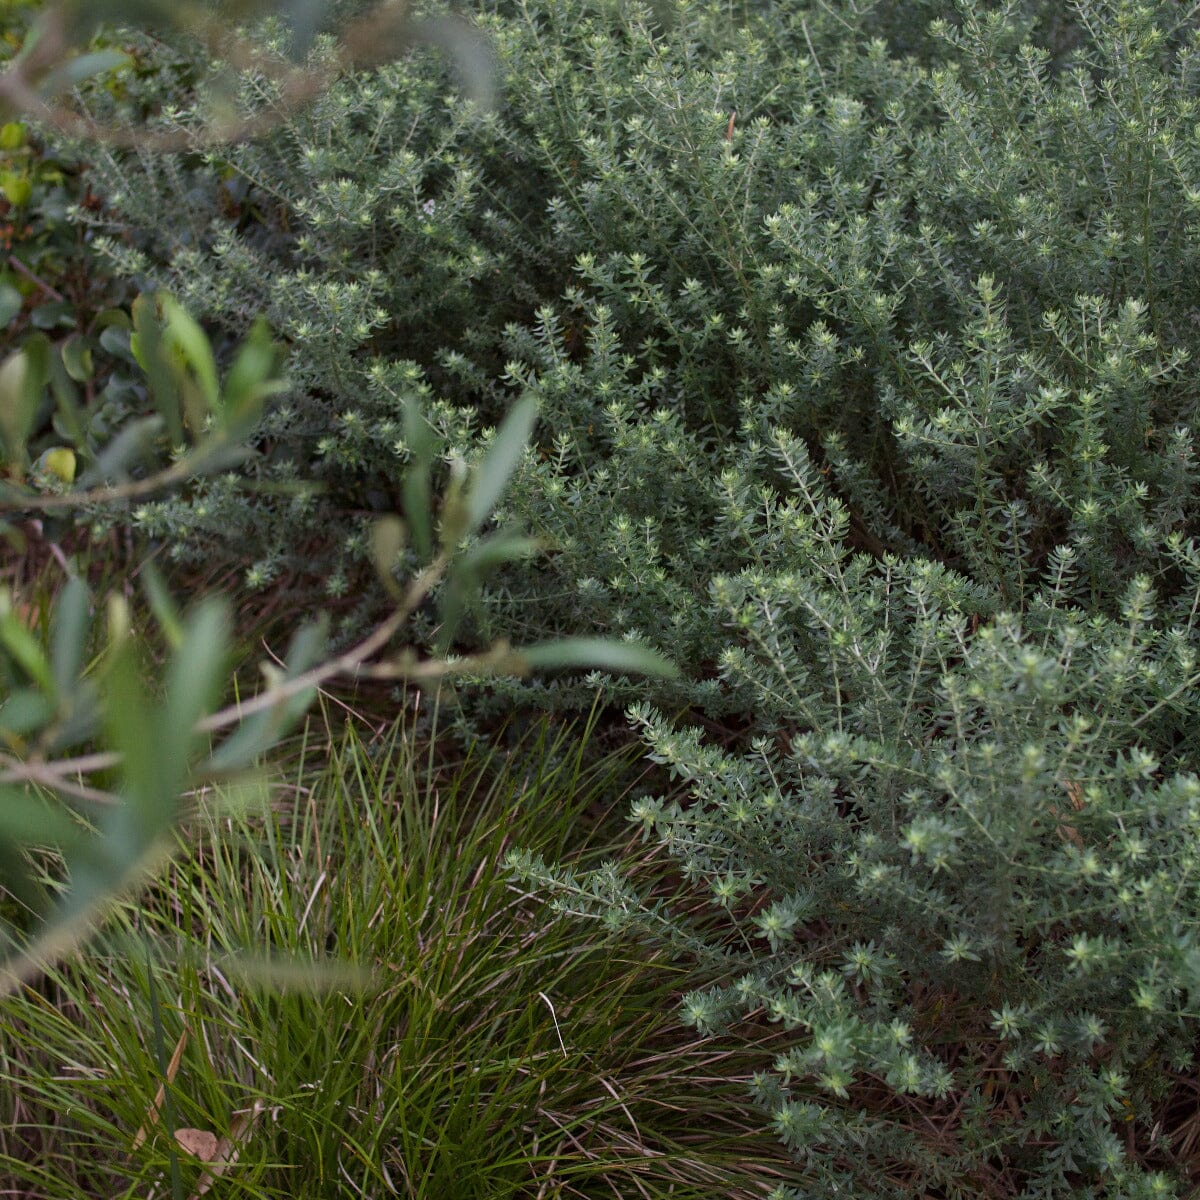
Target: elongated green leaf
469, 50
461, 592
162, 604
194, 680
454, 603
30, 819
256, 735
83, 66
304, 18
146, 344
493, 473
599, 654
492, 551
283, 973
387, 543
25, 711
183, 331
21, 387
128, 829
130, 445
82, 718
248, 742
252, 378
418, 502
69, 633
307, 649
28, 653
307, 646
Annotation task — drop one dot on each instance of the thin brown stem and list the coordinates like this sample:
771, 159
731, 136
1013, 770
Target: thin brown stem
58, 775
362, 43
183, 470
21, 269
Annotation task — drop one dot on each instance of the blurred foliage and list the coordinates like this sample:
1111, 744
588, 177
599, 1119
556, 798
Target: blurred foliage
99, 745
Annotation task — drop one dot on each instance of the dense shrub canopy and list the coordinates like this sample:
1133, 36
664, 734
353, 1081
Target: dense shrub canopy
862, 336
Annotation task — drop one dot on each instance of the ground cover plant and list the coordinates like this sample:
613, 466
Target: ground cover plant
862, 335
466, 1045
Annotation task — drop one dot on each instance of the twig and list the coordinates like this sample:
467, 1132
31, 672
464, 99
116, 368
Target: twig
83, 765
56, 774
361, 46
44, 773
21, 269
181, 471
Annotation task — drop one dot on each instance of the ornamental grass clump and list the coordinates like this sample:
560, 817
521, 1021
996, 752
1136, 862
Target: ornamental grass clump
862, 335
347, 996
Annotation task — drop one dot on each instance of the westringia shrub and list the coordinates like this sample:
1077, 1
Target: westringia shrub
862, 334
961, 870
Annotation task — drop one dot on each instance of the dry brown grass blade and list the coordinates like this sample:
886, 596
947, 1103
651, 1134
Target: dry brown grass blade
161, 1095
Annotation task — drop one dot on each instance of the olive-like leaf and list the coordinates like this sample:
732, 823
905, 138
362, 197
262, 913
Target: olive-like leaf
83, 66
491, 476
25, 712
69, 635
194, 680
147, 345
258, 733
598, 654
250, 380
418, 503
21, 386
133, 443
28, 652
469, 51
491, 552
162, 604
387, 544
183, 333
128, 828
303, 18
30, 819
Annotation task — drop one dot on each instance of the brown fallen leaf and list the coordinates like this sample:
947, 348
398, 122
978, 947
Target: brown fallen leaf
1067, 831
225, 1152
199, 1142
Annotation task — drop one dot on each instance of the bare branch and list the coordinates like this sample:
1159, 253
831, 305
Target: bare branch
370, 40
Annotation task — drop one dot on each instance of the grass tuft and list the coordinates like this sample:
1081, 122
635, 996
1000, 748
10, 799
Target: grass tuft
349, 997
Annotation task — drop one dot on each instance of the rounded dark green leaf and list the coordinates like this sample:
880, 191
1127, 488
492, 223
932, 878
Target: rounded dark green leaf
57, 314
77, 358
11, 301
